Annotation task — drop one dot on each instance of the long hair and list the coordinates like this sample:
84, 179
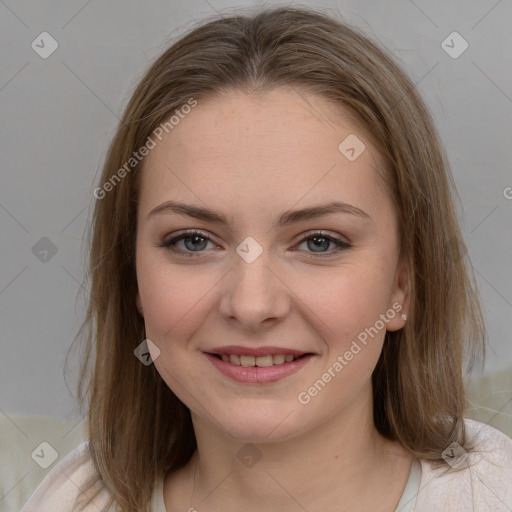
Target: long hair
138, 429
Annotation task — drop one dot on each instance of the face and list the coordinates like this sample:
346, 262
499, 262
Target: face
235, 279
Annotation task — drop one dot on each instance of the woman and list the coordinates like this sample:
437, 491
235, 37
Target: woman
280, 312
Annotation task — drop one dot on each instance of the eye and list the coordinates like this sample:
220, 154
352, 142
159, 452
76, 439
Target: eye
194, 241
320, 240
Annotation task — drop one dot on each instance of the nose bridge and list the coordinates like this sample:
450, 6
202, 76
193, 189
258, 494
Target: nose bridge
252, 291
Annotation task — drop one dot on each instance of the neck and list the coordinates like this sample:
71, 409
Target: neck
331, 466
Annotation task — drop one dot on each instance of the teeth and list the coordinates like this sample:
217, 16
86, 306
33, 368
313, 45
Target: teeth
264, 361
278, 359
260, 361
247, 360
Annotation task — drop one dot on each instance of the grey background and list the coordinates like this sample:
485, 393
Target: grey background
59, 114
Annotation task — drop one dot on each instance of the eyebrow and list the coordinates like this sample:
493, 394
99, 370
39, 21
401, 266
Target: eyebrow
286, 218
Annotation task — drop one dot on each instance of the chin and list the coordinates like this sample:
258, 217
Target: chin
258, 425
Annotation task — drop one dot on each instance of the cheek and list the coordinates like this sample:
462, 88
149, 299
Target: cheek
172, 295
174, 299
347, 307
347, 299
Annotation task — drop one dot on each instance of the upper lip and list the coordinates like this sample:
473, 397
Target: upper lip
253, 351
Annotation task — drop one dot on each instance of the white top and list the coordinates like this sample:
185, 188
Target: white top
482, 484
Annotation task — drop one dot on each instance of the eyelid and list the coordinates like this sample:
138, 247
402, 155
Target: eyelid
180, 235
323, 233
341, 244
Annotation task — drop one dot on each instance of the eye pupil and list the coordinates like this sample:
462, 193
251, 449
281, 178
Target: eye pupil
195, 239
320, 241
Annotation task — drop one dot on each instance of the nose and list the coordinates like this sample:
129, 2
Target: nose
254, 295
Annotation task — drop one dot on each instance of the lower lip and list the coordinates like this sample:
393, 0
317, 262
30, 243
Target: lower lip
257, 374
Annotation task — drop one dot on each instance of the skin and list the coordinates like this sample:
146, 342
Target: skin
252, 157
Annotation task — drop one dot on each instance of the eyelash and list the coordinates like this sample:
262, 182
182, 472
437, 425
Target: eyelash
340, 244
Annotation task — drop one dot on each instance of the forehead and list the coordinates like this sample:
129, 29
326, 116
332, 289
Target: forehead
277, 147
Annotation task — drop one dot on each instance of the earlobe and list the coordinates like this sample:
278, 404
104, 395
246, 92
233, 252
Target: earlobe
400, 297
138, 302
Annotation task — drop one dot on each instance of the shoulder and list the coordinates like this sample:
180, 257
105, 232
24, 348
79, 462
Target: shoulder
479, 479
61, 487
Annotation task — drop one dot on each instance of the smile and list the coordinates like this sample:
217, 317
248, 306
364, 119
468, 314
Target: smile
260, 369
260, 361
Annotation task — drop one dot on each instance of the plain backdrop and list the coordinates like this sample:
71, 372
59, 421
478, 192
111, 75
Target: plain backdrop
58, 115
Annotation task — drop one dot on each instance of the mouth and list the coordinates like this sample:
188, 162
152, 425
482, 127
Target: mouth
261, 368
262, 361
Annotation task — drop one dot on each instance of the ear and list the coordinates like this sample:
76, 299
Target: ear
138, 302
400, 298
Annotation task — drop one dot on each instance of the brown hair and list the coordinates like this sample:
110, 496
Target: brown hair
138, 429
